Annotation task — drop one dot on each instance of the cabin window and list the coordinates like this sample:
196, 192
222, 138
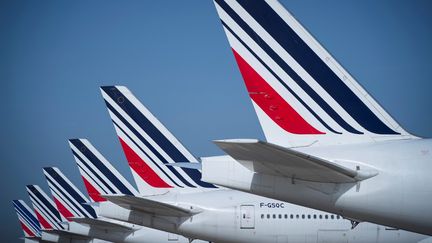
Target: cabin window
280, 216
326, 217
286, 216
332, 217
291, 216
320, 216
309, 216
314, 216
262, 216
268, 216
274, 216
297, 216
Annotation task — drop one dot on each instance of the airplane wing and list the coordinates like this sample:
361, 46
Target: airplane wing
149, 206
100, 223
268, 158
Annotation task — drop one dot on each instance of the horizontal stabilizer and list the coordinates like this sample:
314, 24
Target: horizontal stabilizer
149, 206
100, 223
68, 234
267, 158
188, 165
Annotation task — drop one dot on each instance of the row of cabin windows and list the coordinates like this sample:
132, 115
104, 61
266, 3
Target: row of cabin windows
303, 216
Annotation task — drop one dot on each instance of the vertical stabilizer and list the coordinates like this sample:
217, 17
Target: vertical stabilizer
301, 95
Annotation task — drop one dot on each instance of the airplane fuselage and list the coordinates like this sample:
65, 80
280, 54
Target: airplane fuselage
232, 216
399, 196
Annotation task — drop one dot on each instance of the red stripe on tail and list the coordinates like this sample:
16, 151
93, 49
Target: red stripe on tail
27, 230
141, 168
43, 222
92, 192
271, 102
66, 213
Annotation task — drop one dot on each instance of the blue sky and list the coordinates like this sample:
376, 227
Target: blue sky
175, 58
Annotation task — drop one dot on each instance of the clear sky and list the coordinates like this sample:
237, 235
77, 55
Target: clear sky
175, 58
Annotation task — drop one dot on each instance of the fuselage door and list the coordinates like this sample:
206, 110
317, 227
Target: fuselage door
173, 237
247, 217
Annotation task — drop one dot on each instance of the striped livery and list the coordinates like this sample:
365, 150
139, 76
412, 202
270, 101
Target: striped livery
301, 95
69, 200
45, 209
29, 223
98, 174
149, 147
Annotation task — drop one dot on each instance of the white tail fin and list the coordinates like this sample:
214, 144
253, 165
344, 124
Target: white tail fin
149, 147
69, 200
301, 95
28, 221
46, 212
98, 174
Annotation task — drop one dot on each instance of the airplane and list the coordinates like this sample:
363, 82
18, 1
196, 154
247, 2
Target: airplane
168, 202
330, 146
101, 178
54, 227
76, 207
28, 221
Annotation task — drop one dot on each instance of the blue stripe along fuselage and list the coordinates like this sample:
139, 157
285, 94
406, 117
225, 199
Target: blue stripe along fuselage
313, 64
156, 135
294, 76
65, 185
28, 216
99, 164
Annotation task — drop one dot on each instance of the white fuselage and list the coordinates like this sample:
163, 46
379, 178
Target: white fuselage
233, 216
85, 233
399, 196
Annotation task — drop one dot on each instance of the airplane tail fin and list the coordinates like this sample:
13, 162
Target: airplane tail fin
28, 221
46, 212
301, 95
98, 174
148, 145
69, 200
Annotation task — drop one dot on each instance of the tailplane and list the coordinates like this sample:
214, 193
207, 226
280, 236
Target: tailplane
45, 209
301, 95
148, 145
69, 200
98, 174
29, 223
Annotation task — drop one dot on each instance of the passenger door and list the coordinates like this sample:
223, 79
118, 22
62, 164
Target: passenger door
173, 237
247, 217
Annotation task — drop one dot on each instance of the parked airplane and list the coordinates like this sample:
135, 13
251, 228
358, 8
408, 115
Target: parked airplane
330, 145
75, 206
55, 228
214, 214
28, 221
100, 177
